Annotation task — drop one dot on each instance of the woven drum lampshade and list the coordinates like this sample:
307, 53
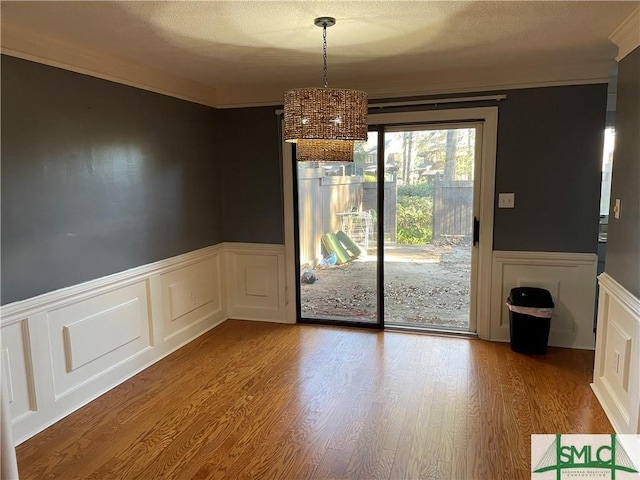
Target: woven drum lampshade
325, 122
324, 150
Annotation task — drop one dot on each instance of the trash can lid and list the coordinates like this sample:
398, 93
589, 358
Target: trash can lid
530, 297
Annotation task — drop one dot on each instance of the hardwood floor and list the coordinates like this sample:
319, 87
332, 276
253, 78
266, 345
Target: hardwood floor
258, 400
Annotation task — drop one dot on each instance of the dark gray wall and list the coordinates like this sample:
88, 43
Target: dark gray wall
98, 178
550, 144
623, 243
253, 209
549, 154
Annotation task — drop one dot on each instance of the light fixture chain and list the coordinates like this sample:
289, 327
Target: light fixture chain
325, 122
324, 54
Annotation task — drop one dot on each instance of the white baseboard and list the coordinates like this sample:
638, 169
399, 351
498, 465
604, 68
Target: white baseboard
616, 376
65, 348
571, 279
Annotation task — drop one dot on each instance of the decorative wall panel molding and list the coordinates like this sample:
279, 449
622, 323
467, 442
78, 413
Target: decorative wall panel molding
62, 349
571, 279
616, 376
190, 295
19, 310
90, 337
16, 370
256, 282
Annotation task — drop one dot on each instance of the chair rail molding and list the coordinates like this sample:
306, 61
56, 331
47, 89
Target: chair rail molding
62, 349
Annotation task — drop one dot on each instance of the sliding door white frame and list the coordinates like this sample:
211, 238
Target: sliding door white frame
489, 118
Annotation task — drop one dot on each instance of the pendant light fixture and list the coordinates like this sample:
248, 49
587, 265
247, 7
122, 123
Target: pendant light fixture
325, 122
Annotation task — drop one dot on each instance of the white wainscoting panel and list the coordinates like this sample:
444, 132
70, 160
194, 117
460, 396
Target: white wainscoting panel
616, 376
256, 282
16, 369
571, 279
65, 348
192, 295
90, 337
62, 349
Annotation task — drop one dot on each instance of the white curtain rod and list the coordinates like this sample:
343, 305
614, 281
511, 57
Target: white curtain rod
435, 101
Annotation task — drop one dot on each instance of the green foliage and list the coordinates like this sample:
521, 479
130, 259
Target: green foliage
370, 177
422, 189
415, 213
415, 219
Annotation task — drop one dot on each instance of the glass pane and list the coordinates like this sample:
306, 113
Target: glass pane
428, 216
607, 167
337, 205
605, 185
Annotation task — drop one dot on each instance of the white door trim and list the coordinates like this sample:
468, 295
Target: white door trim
489, 117
289, 232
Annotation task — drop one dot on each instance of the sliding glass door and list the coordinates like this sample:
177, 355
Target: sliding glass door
391, 239
429, 225
337, 238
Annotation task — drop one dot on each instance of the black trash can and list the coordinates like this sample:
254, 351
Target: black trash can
530, 311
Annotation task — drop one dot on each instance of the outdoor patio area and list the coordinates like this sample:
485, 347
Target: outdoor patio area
424, 285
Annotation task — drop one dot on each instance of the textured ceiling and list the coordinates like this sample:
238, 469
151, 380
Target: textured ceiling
251, 52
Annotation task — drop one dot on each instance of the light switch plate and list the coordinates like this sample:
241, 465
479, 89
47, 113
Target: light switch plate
616, 208
506, 200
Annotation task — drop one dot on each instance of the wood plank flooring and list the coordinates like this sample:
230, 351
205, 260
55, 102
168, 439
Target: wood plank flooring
255, 400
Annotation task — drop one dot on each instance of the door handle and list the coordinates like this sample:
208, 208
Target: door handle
476, 231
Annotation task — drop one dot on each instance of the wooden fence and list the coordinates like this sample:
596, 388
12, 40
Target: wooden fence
452, 209
320, 199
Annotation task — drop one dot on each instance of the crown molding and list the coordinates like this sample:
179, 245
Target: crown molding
21, 43
627, 35
440, 83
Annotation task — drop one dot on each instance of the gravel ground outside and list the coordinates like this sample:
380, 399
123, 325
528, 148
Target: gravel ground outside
424, 285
